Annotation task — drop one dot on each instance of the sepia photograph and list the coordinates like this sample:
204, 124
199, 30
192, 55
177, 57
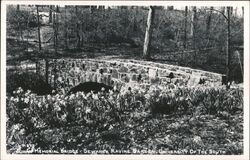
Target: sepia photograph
117, 79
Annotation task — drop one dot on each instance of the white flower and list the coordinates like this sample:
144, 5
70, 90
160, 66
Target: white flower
19, 90
57, 108
53, 98
49, 97
111, 92
111, 127
147, 96
16, 126
197, 139
16, 100
63, 117
88, 110
26, 100
71, 96
95, 96
39, 104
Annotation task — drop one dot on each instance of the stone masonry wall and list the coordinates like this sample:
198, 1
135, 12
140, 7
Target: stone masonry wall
68, 73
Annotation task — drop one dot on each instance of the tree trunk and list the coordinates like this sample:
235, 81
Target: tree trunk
46, 71
57, 25
50, 14
185, 28
54, 27
55, 17
177, 34
193, 33
148, 34
228, 44
193, 22
209, 22
66, 37
18, 8
134, 19
38, 28
223, 10
78, 43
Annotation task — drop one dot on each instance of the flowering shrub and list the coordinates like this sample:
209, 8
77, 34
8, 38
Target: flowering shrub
123, 120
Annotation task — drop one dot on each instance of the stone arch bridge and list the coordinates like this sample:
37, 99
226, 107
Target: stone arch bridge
67, 73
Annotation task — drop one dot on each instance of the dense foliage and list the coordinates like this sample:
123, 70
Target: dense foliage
205, 119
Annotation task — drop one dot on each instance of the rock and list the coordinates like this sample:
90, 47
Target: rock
133, 77
88, 76
163, 73
152, 73
123, 69
94, 67
188, 71
194, 79
108, 79
114, 73
100, 78
154, 80
142, 71
83, 78
133, 70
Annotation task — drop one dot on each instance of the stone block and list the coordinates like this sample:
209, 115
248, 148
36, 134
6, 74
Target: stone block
174, 80
123, 69
142, 71
94, 77
105, 79
155, 80
194, 80
133, 70
105, 70
188, 71
100, 78
172, 69
113, 64
88, 76
152, 73
163, 73
83, 78
71, 82
115, 73
108, 79
165, 80
133, 77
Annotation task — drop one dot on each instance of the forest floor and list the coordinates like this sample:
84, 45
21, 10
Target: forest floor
17, 52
